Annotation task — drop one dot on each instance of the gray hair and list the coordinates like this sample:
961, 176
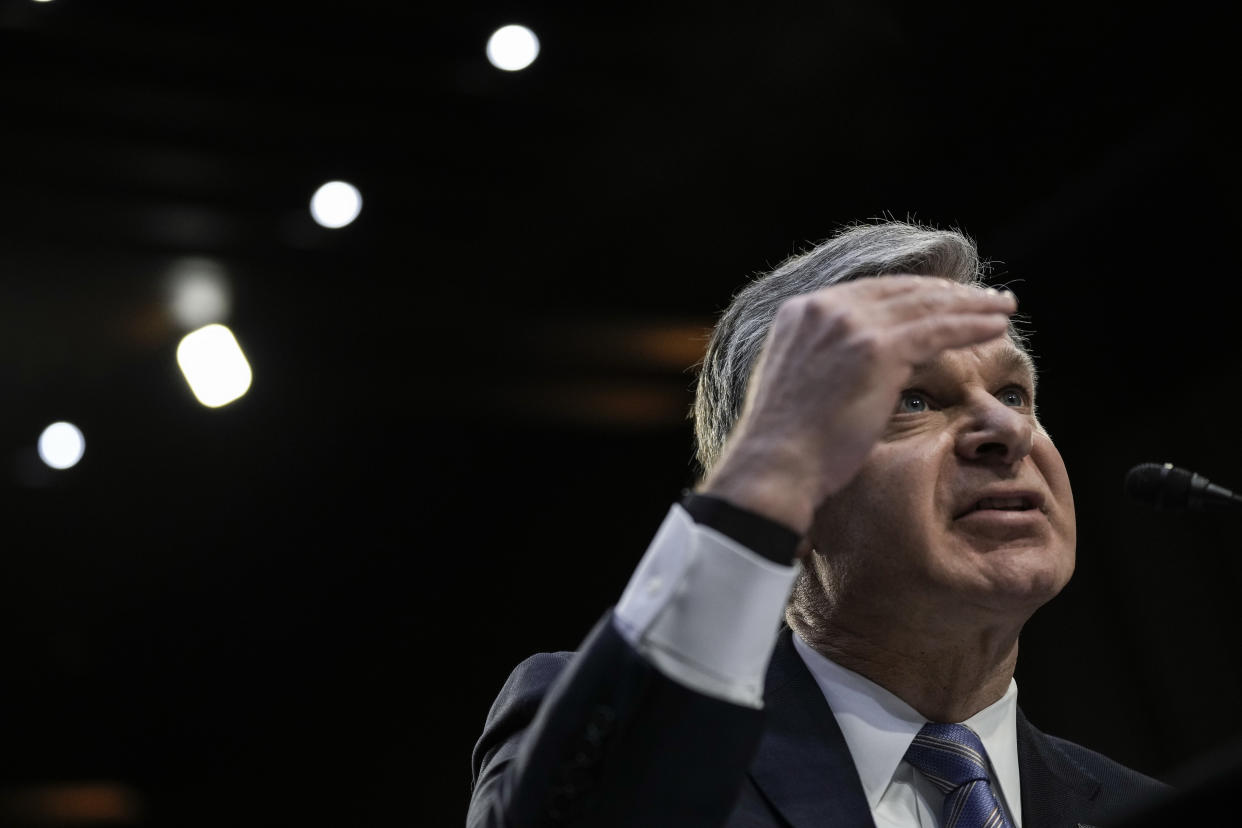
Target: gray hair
858, 251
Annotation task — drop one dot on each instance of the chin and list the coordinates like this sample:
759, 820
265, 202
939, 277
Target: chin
1029, 593
1018, 577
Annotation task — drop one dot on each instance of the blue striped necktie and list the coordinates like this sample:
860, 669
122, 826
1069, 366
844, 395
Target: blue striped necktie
952, 758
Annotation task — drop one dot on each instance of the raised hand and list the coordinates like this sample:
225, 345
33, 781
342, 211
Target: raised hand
828, 378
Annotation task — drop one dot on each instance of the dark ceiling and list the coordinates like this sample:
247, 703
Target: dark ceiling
468, 411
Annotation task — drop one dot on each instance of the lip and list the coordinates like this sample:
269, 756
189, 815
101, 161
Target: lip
966, 507
1007, 518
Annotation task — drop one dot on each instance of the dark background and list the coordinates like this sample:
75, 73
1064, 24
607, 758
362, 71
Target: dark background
469, 407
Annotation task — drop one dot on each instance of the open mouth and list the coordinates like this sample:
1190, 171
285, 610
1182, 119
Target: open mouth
1006, 504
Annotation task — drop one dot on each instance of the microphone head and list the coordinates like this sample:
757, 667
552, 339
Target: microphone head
1161, 485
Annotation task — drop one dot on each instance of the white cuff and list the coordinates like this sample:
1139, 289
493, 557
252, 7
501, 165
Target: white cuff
705, 610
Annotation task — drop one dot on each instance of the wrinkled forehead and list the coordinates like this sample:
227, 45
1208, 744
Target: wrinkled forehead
1001, 355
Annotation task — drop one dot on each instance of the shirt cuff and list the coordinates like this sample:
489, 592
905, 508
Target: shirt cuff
774, 541
705, 610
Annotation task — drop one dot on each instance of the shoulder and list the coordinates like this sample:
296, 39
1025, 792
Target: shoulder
525, 688
535, 674
1049, 762
604, 656
1103, 768
518, 704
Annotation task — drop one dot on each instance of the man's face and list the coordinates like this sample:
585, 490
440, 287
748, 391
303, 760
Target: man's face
964, 506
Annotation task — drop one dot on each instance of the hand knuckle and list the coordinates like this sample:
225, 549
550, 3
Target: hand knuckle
788, 312
800, 304
845, 319
865, 346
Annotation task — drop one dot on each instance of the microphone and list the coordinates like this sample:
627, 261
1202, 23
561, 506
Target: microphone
1171, 489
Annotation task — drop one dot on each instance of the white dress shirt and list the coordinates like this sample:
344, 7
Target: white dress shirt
704, 610
879, 727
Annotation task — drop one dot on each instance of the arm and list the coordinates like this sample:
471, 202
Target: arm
627, 716
603, 738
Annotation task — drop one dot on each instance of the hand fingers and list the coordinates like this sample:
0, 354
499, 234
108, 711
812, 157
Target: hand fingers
915, 304
925, 338
898, 283
882, 287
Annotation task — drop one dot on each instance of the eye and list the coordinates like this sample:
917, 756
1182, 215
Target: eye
913, 402
1014, 396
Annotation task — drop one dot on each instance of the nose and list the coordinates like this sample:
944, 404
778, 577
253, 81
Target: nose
995, 433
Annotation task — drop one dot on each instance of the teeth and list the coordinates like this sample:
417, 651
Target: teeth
1003, 503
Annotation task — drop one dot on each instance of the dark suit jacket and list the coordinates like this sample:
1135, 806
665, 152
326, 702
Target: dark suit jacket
602, 738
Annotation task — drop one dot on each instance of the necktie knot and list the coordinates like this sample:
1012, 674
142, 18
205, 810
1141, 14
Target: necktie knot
952, 758
950, 755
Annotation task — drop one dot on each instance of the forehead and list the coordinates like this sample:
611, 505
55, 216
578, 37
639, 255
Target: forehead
1000, 356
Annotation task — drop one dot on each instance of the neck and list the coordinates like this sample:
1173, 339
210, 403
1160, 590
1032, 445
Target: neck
946, 672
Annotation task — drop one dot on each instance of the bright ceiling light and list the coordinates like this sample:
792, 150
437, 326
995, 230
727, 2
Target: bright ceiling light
512, 48
61, 445
214, 366
336, 204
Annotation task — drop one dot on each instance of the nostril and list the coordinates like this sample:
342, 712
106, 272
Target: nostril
994, 449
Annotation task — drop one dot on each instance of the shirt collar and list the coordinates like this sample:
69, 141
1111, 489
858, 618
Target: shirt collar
878, 727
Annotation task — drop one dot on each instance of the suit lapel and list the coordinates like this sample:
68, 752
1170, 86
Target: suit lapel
803, 765
804, 768
1056, 792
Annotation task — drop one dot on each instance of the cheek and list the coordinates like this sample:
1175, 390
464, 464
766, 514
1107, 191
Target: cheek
1061, 514
888, 504
1050, 464
908, 478
926, 475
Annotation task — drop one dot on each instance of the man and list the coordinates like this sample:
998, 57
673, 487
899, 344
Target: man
872, 445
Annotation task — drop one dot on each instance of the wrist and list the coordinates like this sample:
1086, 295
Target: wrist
764, 488
767, 538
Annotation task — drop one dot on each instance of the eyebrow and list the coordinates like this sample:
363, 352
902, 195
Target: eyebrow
1012, 358
1017, 358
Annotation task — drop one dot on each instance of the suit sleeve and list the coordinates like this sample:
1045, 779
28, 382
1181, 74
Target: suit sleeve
655, 719
603, 738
